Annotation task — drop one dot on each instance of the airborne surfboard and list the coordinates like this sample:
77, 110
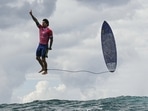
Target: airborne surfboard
108, 47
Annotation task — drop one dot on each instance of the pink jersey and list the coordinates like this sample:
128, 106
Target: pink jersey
44, 35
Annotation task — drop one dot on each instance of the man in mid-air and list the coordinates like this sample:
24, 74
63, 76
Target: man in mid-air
45, 33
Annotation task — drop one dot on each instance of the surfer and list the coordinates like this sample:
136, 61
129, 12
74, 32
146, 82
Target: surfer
45, 33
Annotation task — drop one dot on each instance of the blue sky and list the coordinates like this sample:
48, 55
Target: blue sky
76, 25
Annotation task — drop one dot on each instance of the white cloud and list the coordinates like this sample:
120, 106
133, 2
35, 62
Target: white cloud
61, 87
39, 93
43, 92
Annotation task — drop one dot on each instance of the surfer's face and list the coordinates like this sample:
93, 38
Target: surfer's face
44, 24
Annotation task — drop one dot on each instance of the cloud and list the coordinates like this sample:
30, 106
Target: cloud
43, 92
10, 79
14, 12
44, 8
107, 3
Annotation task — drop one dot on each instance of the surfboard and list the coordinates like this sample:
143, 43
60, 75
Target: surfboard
108, 47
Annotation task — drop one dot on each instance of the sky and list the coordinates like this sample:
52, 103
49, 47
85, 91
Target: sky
76, 26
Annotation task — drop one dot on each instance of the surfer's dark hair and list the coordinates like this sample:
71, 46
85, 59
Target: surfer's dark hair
46, 21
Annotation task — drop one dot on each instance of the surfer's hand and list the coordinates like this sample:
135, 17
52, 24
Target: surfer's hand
30, 12
49, 48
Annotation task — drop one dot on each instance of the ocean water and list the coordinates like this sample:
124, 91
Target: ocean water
122, 103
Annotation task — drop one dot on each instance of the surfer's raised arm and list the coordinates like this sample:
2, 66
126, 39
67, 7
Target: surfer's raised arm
34, 18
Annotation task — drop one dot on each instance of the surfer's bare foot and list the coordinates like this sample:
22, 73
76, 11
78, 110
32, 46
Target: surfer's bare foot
41, 70
45, 72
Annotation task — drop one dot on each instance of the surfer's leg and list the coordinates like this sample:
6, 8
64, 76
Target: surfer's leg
39, 54
44, 65
41, 63
43, 57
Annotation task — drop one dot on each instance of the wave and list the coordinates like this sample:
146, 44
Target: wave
122, 103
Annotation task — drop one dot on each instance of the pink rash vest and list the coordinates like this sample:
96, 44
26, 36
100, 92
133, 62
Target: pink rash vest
44, 35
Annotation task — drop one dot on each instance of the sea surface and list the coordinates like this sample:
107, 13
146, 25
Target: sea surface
122, 103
